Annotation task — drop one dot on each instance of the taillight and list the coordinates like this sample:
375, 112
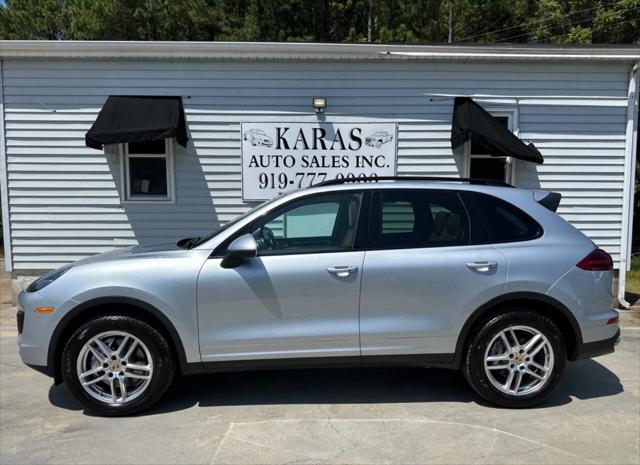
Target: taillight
598, 260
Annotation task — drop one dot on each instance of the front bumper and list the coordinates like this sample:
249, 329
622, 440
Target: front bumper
597, 348
35, 330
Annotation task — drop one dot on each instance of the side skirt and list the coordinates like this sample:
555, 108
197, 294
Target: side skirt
417, 360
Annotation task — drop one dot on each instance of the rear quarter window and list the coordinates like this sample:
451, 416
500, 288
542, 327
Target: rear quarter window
494, 220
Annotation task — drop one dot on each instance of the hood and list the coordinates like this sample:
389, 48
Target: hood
138, 251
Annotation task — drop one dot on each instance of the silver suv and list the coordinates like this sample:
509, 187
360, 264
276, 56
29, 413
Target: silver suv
449, 273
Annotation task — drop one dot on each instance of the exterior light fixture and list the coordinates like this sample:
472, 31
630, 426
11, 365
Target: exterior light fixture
319, 104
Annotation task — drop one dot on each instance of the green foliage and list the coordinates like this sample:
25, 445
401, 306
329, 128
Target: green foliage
633, 277
142, 20
383, 21
33, 19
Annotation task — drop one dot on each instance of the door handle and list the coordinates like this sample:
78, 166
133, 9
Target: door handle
481, 266
342, 271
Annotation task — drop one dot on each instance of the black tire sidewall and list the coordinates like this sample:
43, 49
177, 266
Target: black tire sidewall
163, 363
474, 357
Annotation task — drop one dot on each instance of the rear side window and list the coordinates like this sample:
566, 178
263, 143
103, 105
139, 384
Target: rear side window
494, 220
418, 219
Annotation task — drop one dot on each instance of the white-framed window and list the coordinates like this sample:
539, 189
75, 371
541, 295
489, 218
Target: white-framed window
147, 172
485, 166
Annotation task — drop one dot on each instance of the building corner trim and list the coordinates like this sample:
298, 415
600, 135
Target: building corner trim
629, 184
4, 181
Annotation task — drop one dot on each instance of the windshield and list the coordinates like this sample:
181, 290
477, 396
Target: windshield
215, 232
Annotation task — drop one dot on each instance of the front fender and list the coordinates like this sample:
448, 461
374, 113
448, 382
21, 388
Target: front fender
185, 354
176, 310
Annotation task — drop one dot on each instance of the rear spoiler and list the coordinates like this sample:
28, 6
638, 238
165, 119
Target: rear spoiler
549, 200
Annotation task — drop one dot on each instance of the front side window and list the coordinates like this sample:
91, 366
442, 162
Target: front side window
148, 170
420, 218
320, 224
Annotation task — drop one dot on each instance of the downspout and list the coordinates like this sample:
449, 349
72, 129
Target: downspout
629, 184
4, 179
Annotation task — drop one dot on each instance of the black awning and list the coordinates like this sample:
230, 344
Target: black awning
138, 119
474, 123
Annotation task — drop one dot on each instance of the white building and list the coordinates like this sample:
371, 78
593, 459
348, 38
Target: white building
62, 201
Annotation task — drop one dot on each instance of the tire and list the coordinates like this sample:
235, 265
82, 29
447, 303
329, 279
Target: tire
144, 364
490, 383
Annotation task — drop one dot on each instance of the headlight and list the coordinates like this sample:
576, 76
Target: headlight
47, 279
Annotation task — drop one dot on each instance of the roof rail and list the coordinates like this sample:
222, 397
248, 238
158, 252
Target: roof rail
480, 181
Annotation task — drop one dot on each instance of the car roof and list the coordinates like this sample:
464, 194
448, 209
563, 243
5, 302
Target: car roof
499, 190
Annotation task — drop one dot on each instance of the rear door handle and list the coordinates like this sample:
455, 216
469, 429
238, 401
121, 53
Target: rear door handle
342, 271
481, 266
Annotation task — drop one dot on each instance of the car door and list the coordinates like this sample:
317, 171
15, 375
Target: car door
422, 276
299, 297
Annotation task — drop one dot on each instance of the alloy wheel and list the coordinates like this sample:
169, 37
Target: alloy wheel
519, 360
114, 367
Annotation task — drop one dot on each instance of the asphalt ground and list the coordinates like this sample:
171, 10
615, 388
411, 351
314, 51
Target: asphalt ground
360, 416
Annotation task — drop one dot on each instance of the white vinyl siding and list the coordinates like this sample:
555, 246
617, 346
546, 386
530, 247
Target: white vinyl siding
63, 197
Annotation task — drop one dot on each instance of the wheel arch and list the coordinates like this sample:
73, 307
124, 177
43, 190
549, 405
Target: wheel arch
542, 303
126, 305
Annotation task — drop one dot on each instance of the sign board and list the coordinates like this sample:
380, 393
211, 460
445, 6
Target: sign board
279, 157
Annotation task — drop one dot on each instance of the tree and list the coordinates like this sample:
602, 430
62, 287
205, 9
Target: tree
142, 20
382, 21
32, 19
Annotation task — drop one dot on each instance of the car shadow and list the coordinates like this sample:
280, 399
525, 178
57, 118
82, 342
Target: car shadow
586, 379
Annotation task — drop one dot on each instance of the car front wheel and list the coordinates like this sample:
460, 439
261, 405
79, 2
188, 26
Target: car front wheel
516, 359
117, 365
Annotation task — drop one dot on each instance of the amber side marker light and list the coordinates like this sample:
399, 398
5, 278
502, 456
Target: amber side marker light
44, 310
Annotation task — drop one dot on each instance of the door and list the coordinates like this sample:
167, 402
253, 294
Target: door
299, 297
423, 277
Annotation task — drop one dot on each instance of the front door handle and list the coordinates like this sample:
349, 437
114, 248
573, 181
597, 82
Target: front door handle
481, 266
342, 271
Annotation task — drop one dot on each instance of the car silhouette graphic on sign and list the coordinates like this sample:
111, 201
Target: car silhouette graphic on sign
258, 137
378, 138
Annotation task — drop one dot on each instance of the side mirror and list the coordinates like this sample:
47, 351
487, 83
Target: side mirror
242, 247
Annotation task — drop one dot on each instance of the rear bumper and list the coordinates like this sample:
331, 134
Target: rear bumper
597, 348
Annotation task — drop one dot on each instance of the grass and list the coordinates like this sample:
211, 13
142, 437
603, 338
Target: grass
633, 280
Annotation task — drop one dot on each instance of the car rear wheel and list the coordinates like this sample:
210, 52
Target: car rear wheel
516, 359
117, 365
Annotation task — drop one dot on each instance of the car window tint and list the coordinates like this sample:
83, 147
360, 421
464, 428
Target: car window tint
319, 224
421, 219
397, 217
500, 220
315, 220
